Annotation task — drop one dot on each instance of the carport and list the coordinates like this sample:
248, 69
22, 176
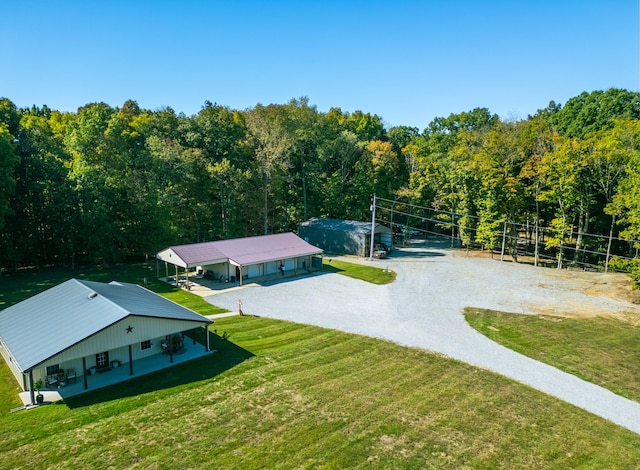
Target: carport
240, 259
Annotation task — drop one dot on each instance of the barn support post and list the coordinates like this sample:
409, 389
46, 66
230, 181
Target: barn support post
84, 372
32, 396
130, 361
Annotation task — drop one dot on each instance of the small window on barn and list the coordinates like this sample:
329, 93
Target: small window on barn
145, 345
53, 370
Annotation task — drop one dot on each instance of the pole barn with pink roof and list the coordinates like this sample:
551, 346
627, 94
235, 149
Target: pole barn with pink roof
240, 259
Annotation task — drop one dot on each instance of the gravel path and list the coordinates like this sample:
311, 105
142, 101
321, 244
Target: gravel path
424, 309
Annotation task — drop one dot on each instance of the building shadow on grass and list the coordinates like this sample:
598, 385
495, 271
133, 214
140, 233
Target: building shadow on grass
226, 356
402, 253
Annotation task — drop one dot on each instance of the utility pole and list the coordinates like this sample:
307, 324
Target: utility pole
373, 227
504, 240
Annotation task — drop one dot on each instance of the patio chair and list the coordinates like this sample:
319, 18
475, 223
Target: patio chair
71, 375
52, 380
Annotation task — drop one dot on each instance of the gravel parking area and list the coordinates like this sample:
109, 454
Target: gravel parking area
424, 309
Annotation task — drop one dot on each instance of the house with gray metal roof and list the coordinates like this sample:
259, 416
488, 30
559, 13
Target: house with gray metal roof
240, 259
349, 237
79, 327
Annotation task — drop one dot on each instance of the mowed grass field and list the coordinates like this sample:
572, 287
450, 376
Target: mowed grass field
605, 351
284, 395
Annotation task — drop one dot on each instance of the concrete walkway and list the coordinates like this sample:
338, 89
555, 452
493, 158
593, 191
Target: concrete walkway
424, 309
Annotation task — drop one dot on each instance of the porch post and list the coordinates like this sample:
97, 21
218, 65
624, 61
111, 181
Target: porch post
240, 275
84, 372
130, 361
32, 396
206, 333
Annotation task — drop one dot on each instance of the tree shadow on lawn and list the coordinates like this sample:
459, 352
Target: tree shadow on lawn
228, 356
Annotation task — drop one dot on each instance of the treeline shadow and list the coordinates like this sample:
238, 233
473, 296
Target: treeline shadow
227, 356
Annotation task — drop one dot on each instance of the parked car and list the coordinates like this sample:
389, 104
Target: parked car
379, 254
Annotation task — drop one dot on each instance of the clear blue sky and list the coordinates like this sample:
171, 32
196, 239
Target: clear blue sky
406, 61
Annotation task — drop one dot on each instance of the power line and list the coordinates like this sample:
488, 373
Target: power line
451, 221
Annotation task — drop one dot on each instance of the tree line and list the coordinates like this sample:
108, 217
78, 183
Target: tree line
105, 183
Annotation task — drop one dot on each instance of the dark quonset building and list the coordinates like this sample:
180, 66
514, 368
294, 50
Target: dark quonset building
344, 236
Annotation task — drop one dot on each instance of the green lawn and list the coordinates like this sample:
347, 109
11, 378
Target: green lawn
604, 351
359, 271
284, 395
16, 287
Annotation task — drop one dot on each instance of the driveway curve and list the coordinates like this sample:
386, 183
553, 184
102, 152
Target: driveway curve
424, 309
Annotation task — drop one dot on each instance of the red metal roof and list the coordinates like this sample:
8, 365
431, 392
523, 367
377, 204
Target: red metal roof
244, 251
199, 252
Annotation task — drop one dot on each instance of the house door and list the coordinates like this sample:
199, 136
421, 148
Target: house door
102, 360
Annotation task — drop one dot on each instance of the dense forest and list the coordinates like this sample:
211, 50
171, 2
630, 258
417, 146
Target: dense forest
104, 183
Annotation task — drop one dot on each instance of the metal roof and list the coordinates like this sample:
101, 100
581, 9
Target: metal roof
194, 254
240, 251
42, 326
338, 225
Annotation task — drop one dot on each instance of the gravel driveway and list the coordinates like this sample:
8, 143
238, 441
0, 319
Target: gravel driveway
424, 309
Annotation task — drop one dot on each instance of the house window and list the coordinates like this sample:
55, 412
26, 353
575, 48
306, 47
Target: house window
53, 370
145, 345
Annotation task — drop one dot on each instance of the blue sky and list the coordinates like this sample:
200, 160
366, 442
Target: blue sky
406, 61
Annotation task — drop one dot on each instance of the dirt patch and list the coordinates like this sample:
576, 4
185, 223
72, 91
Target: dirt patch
615, 286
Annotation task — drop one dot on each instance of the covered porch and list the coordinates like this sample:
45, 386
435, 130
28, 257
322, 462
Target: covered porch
119, 374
